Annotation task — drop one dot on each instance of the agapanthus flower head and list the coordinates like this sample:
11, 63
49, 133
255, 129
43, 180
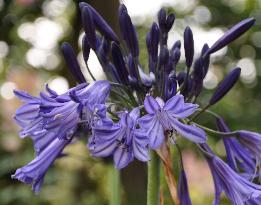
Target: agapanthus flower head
145, 110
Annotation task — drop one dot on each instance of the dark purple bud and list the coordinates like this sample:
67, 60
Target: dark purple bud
183, 190
128, 31
163, 56
162, 15
198, 76
72, 63
225, 86
205, 59
152, 65
88, 26
175, 55
113, 72
131, 66
170, 21
85, 48
103, 50
100, 23
177, 44
153, 39
172, 87
119, 63
181, 77
232, 34
187, 86
188, 46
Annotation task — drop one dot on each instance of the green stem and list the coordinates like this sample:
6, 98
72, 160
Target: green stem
114, 186
200, 112
232, 134
153, 189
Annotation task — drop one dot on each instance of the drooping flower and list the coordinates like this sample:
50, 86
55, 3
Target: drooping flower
121, 140
238, 189
53, 120
183, 191
238, 156
165, 116
34, 172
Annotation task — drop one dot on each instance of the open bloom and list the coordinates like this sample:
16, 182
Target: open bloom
53, 120
122, 140
165, 116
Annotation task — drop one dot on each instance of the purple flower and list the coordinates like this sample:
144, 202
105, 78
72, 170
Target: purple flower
252, 141
165, 116
34, 172
238, 156
238, 189
122, 140
183, 191
53, 120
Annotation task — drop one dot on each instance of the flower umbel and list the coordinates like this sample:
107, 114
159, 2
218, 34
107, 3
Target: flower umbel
134, 112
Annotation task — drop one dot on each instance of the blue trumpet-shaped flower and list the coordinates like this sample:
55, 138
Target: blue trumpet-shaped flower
165, 116
238, 156
34, 172
122, 140
238, 189
53, 120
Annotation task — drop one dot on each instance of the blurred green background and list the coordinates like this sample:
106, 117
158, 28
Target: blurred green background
31, 32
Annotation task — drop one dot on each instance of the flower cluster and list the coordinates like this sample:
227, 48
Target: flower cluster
145, 110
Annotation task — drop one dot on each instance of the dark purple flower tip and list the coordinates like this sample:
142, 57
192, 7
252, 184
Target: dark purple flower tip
188, 46
88, 26
100, 23
85, 48
232, 34
205, 58
72, 63
181, 77
175, 55
162, 16
225, 86
103, 50
119, 63
198, 76
113, 72
183, 191
177, 44
153, 39
128, 31
163, 56
131, 66
170, 21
